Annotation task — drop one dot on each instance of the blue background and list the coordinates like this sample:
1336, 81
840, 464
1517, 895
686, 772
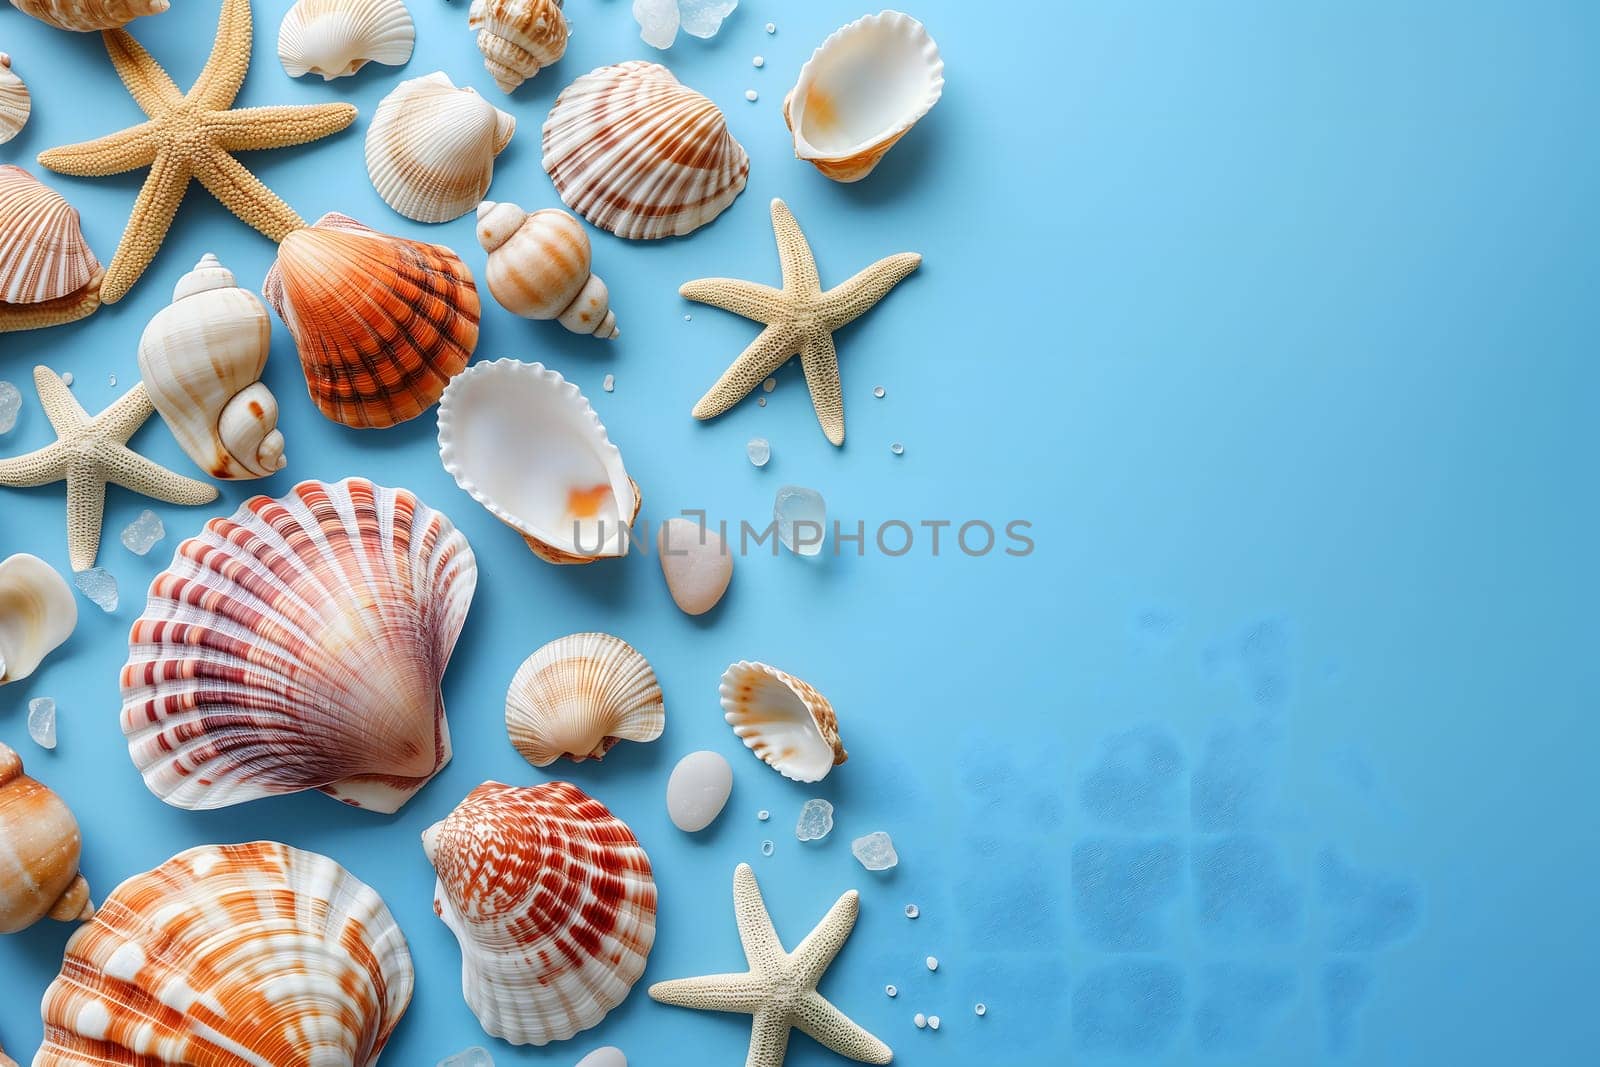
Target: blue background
1277, 322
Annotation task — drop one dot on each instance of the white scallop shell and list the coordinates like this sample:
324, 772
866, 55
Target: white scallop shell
37, 613
526, 445
334, 38
578, 696
860, 91
431, 148
43, 255
518, 38
789, 725
15, 104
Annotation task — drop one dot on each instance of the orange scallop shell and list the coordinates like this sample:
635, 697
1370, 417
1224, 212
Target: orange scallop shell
39, 849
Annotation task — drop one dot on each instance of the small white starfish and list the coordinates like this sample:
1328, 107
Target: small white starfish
780, 988
89, 453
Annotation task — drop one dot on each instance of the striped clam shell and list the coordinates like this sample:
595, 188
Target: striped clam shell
789, 725
299, 644
39, 849
518, 38
15, 103
336, 38
43, 255
637, 153
553, 902
579, 695
382, 323
86, 15
231, 956
431, 147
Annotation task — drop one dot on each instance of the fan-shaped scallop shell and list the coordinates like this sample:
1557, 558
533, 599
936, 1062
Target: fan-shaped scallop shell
15, 104
86, 15
39, 848
636, 152
382, 323
231, 956
299, 644
578, 696
334, 38
784, 721
518, 37
37, 613
431, 148
552, 901
43, 255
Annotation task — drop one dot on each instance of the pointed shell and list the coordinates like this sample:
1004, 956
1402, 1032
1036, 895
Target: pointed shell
382, 323
552, 901
39, 847
431, 148
578, 696
861, 91
231, 956
87, 15
299, 645
785, 722
15, 104
43, 255
641, 155
518, 37
539, 268
524, 443
201, 359
37, 613
334, 38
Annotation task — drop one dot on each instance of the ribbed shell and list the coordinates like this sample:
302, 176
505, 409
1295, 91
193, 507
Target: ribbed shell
43, 255
243, 955
382, 323
37, 613
637, 153
789, 725
15, 104
431, 148
334, 38
299, 644
39, 848
539, 268
552, 901
86, 15
578, 696
518, 37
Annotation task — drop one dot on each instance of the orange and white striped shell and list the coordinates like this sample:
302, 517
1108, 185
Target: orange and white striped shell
789, 725
553, 902
579, 695
538, 268
638, 153
39, 849
431, 147
382, 323
231, 956
43, 255
299, 644
518, 38
84, 16
15, 103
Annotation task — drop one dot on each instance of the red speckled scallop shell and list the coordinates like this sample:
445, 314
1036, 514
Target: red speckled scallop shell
553, 903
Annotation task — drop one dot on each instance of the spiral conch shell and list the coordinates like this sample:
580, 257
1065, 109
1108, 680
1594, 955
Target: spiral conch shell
201, 359
552, 901
231, 956
335, 38
518, 37
789, 725
382, 323
15, 104
539, 268
299, 644
48, 274
37, 614
39, 847
431, 147
578, 696
87, 15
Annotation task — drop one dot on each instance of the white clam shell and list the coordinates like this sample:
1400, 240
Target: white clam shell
524, 443
789, 725
335, 38
518, 38
431, 148
861, 91
15, 104
37, 614
539, 268
578, 696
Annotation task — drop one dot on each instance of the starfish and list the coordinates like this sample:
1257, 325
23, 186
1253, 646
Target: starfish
192, 136
780, 988
88, 454
800, 320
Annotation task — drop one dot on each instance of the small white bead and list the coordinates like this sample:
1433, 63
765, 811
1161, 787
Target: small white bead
980, 1008
751, 95
758, 62
933, 963
891, 991
933, 1022
920, 1019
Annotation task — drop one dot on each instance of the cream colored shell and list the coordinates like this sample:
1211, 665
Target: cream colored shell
578, 696
87, 15
789, 725
539, 268
431, 148
15, 104
39, 848
37, 614
43, 255
518, 38
335, 38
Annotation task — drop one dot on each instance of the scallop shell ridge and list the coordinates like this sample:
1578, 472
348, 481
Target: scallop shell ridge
335, 38
431, 147
579, 695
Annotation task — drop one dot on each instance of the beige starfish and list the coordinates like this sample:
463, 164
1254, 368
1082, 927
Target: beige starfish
192, 136
800, 320
780, 988
88, 454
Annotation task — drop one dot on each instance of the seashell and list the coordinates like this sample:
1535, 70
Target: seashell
861, 91
39, 847
86, 15
37, 614
299, 644
6, 1061
539, 268
784, 721
201, 359
578, 696
524, 443
43, 256
15, 104
552, 901
334, 38
431, 148
641, 155
518, 37
231, 956
382, 323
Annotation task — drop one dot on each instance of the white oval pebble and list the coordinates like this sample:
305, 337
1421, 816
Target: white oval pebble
67, 379
933, 1022
758, 62
771, 28
920, 1019
698, 789
610, 1056
933, 963
696, 564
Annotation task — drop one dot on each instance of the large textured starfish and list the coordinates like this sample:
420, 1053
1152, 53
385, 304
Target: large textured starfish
89, 453
191, 136
780, 988
800, 320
